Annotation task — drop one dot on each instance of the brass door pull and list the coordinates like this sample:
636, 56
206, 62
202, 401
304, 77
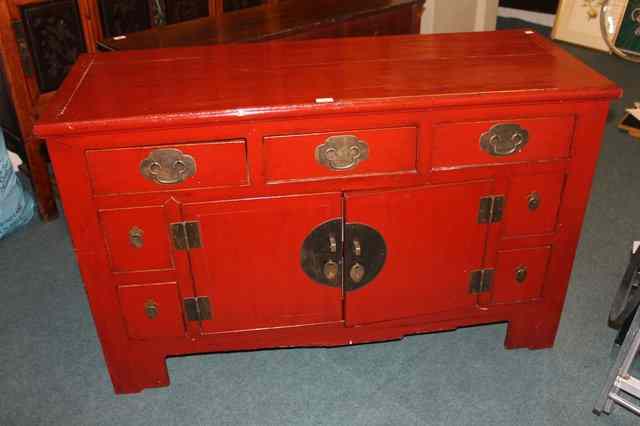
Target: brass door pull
168, 166
136, 237
342, 152
504, 139
357, 248
534, 201
330, 270
333, 244
151, 309
357, 273
521, 274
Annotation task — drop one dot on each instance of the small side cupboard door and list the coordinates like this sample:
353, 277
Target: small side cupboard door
248, 261
432, 242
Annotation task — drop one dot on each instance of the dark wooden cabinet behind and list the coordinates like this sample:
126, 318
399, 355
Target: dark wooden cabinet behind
54, 35
288, 19
232, 5
186, 10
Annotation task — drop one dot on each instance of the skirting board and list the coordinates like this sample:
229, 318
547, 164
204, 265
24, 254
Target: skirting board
545, 19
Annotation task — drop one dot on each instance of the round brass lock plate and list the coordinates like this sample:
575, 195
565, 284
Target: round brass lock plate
320, 254
365, 253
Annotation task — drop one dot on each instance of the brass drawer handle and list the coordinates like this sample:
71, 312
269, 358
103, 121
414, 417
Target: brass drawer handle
151, 309
342, 152
168, 166
521, 274
534, 201
136, 237
504, 139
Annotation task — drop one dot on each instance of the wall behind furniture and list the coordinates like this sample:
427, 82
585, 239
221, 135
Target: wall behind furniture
446, 16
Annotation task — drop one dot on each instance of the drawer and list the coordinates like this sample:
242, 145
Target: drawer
163, 168
152, 310
317, 156
497, 142
520, 274
532, 204
137, 239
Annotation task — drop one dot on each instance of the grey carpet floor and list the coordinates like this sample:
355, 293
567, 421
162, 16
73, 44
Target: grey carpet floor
52, 371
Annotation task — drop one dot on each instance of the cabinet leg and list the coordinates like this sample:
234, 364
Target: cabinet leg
531, 333
41, 181
142, 372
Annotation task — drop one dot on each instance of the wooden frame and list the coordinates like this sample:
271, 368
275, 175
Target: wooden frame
578, 22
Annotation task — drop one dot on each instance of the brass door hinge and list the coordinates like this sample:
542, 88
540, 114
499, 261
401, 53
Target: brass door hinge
481, 281
23, 48
186, 235
491, 209
197, 308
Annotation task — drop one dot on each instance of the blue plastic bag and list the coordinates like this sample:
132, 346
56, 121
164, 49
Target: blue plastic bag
17, 207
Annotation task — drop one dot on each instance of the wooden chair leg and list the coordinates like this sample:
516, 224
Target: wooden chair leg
40, 179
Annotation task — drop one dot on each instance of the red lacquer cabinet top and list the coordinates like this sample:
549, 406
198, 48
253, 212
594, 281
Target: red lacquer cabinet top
324, 193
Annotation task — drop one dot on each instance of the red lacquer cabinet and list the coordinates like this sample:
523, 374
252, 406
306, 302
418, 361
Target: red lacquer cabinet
324, 193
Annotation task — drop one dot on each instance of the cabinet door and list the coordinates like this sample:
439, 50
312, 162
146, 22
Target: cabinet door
433, 242
249, 262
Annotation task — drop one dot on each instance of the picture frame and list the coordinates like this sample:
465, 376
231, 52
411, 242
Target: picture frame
578, 22
628, 35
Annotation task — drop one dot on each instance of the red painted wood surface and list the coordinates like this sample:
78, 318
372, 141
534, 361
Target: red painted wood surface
391, 151
168, 321
154, 252
253, 224
507, 288
521, 218
284, 79
218, 164
250, 262
456, 144
433, 241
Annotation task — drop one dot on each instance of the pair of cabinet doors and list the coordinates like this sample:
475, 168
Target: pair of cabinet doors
248, 260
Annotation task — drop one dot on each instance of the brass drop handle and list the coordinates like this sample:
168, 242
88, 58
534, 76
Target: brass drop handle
357, 272
136, 237
168, 166
333, 244
151, 309
342, 152
521, 274
357, 248
534, 201
330, 270
504, 139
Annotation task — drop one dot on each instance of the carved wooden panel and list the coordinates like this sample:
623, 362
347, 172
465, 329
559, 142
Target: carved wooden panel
231, 5
184, 10
124, 16
55, 38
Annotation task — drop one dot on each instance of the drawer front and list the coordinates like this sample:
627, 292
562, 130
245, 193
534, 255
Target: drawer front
165, 168
317, 156
520, 274
532, 204
152, 311
497, 142
137, 239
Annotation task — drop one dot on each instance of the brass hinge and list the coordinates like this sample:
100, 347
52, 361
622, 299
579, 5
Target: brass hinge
481, 281
186, 235
491, 209
197, 308
23, 48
